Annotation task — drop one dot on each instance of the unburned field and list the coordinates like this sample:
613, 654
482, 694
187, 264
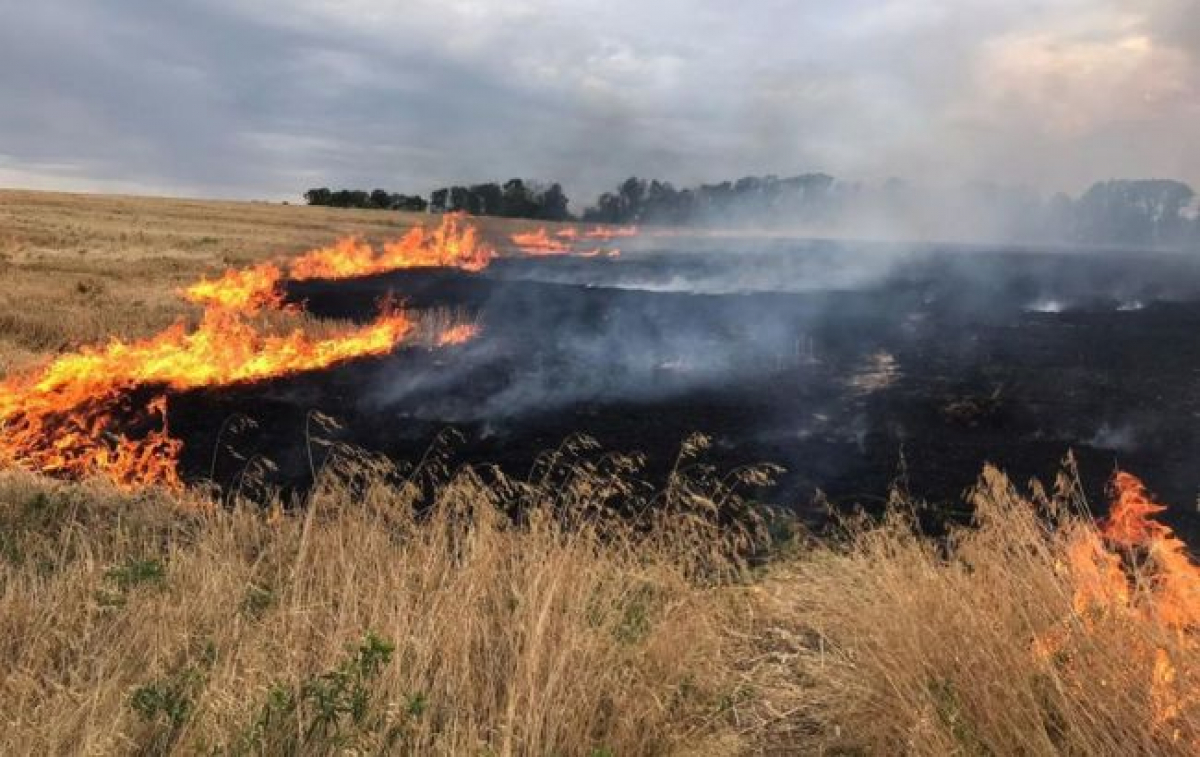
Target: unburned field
335, 565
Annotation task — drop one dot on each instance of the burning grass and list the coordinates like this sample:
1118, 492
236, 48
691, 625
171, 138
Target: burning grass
996, 641
454, 243
565, 241
446, 610
71, 417
364, 622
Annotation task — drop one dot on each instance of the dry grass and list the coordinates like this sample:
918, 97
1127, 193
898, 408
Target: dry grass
147, 624
514, 617
935, 648
78, 269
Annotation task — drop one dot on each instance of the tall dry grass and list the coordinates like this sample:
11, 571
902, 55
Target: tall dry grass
146, 624
462, 611
975, 645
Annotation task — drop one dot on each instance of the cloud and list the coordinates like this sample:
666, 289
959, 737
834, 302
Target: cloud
266, 98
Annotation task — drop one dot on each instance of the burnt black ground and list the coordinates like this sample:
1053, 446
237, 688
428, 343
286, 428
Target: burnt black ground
831, 360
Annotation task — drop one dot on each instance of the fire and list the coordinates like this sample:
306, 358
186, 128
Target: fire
540, 243
459, 334
453, 244
78, 416
67, 419
1134, 568
615, 232
245, 290
600, 252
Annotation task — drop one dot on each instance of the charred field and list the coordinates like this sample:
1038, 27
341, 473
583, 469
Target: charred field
852, 366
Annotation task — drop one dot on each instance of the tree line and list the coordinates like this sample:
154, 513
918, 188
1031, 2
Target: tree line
1141, 213
1144, 213
377, 199
515, 198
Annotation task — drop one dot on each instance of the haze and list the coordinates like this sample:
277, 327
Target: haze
262, 100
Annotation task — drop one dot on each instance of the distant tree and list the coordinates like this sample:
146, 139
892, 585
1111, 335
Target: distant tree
1144, 213
380, 198
438, 199
321, 196
517, 201
411, 203
632, 192
350, 198
460, 199
553, 203
607, 209
662, 204
488, 199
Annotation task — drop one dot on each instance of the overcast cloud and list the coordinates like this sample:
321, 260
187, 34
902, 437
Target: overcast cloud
266, 98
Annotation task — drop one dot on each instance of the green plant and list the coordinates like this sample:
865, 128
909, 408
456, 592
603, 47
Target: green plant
331, 707
134, 572
168, 703
257, 601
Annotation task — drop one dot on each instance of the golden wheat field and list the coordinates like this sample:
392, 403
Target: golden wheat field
163, 622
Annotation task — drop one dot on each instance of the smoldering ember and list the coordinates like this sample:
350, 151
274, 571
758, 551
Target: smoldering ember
629, 379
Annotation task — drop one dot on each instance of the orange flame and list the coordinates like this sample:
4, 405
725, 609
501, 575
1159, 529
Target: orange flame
66, 419
1174, 593
459, 334
72, 417
614, 232
600, 252
244, 290
539, 242
1135, 567
454, 244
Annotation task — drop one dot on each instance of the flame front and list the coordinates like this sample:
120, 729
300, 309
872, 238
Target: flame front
453, 244
243, 290
611, 232
540, 242
67, 419
80, 414
1134, 569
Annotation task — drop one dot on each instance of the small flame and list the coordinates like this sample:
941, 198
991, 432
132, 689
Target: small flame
459, 334
1175, 591
613, 232
540, 242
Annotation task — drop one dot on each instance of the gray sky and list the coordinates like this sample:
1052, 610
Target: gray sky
264, 98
